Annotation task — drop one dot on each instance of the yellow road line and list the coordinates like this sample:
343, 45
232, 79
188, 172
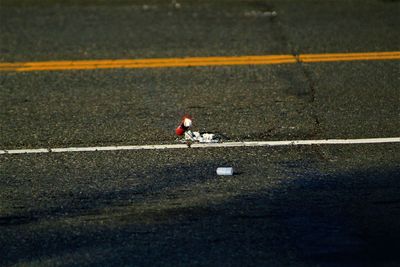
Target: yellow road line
349, 57
193, 61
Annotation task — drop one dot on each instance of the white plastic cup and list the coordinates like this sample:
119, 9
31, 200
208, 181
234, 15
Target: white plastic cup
224, 171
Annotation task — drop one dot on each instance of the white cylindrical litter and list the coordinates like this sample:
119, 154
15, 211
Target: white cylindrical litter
224, 171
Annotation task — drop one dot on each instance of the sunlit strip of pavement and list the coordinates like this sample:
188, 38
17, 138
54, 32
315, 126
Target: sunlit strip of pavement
193, 61
206, 145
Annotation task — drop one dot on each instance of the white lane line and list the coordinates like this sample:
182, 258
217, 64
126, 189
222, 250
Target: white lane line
207, 145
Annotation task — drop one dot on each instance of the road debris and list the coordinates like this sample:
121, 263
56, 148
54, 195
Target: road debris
224, 171
175, 4
260, 14
184, 130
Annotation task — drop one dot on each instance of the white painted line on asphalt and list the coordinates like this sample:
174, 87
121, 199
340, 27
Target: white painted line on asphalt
207, 145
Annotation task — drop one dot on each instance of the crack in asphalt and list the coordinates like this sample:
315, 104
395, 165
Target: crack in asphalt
308, 77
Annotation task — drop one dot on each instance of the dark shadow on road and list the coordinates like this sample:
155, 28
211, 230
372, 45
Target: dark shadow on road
153, 184
313, 219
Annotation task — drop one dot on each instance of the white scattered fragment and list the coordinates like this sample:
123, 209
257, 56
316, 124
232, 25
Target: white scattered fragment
175, 4
196, 135
224, 171
201, 138
259, 14
189, 136
148, 7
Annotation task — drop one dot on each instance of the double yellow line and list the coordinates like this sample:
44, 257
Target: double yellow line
192, 61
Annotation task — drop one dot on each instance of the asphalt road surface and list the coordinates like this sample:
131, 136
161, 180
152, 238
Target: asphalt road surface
318, 205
